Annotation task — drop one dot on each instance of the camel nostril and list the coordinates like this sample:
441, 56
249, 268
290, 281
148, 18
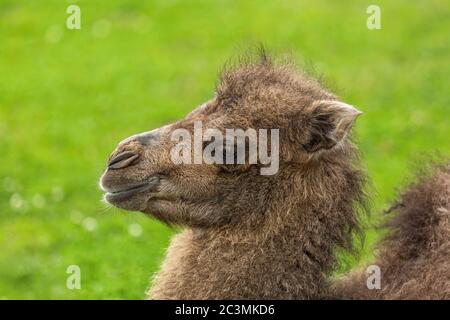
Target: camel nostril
122, 160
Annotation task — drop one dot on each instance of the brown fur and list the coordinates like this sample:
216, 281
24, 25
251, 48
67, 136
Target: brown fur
414, 257
261, 237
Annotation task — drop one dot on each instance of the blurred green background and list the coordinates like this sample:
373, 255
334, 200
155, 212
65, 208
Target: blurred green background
68, 96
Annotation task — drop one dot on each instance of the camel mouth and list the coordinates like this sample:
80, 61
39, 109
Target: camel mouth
117, 195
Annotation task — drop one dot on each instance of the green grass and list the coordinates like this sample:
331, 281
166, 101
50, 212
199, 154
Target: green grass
68, 96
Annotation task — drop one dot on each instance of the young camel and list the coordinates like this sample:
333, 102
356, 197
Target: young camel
253, 236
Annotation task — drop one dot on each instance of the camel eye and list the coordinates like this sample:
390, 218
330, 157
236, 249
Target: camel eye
218, 152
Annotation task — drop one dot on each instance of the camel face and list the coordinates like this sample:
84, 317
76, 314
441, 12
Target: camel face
142, 174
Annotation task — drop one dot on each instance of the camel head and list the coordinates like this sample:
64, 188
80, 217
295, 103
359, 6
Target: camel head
190, 172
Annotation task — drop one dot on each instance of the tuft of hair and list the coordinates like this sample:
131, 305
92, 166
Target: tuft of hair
256, 67
422, 215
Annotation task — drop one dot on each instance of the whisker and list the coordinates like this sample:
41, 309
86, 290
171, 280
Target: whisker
106, 207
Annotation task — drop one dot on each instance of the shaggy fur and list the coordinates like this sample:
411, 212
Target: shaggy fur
415, 257
250, 236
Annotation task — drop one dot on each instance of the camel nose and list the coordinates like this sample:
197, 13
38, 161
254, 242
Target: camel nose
122, 160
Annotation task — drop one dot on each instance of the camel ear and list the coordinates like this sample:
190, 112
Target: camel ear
331, 121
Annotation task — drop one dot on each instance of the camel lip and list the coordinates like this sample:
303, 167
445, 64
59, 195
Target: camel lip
119, 195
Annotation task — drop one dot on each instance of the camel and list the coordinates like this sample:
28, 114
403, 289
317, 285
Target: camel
251, 236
